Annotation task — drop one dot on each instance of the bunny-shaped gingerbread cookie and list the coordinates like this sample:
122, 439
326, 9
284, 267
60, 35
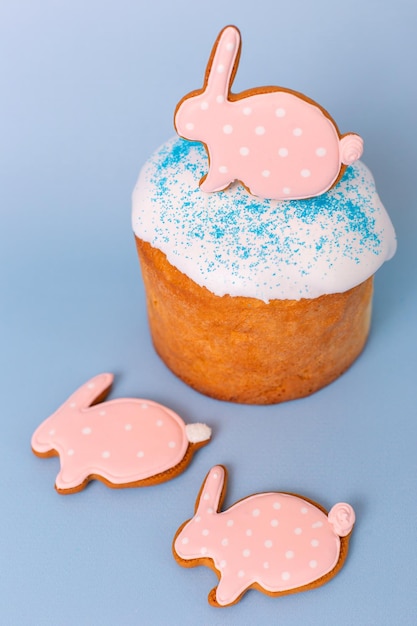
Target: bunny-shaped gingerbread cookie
124, 443
278, 143
278, 543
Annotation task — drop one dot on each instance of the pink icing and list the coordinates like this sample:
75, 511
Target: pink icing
276, 540
280, 145
123, 441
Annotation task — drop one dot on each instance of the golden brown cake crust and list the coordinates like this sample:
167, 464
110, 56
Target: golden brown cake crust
243, 349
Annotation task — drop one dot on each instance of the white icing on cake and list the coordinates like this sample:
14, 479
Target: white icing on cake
233, 243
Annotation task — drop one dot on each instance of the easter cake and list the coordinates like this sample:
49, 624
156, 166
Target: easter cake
258, 231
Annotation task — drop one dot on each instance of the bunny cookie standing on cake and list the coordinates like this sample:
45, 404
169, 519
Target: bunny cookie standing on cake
278, 543
278, 143
124, 443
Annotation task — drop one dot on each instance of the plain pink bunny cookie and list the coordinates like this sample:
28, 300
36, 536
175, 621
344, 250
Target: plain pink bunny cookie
124, 443
277, 142
278, 543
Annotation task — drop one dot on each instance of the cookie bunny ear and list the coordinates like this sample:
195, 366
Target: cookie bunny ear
92, 392
212, 492
222, 66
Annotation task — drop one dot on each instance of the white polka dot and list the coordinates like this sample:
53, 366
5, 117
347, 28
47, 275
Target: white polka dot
230, 46
160, 423
305, 174
220, 99
266, 173
313, 564
280, 112
52, 432
128, 426
204, 106
172, 444
244, 151
189, 126
90, 385
241, 573
210, 510
229, 522
227, 129
73, 405
145, 405
225, 542
274, 523
256, 512
102, 413
70, 452
321, 152
276, 506
260, 130
220, 68
140, 454
203, 550
304, 510
317, 525
247, 111
286, 191
314, 543
86, 430
285, 575
266, 565
289, 554
197, 518
297, 132
283, 152
205, 532
223, 169
185, 540
246, 553
298, 531
268, 543
223, 564
206, 496
105, 454
249, 533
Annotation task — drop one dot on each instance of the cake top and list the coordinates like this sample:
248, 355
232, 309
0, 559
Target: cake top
277, 142
261, 196
232, 242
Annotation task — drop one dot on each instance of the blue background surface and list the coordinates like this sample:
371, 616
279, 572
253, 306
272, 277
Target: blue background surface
88, 91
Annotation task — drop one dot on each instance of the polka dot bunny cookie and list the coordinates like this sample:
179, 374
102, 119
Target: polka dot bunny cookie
124, 443
278, 543
280, 144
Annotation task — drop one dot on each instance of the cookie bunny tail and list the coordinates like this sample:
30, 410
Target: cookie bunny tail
212, 492
197, 433
342, 518
222, 66
351, 148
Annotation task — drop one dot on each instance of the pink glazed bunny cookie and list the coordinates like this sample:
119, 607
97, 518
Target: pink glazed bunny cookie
280, 144
278, 543
124, 443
